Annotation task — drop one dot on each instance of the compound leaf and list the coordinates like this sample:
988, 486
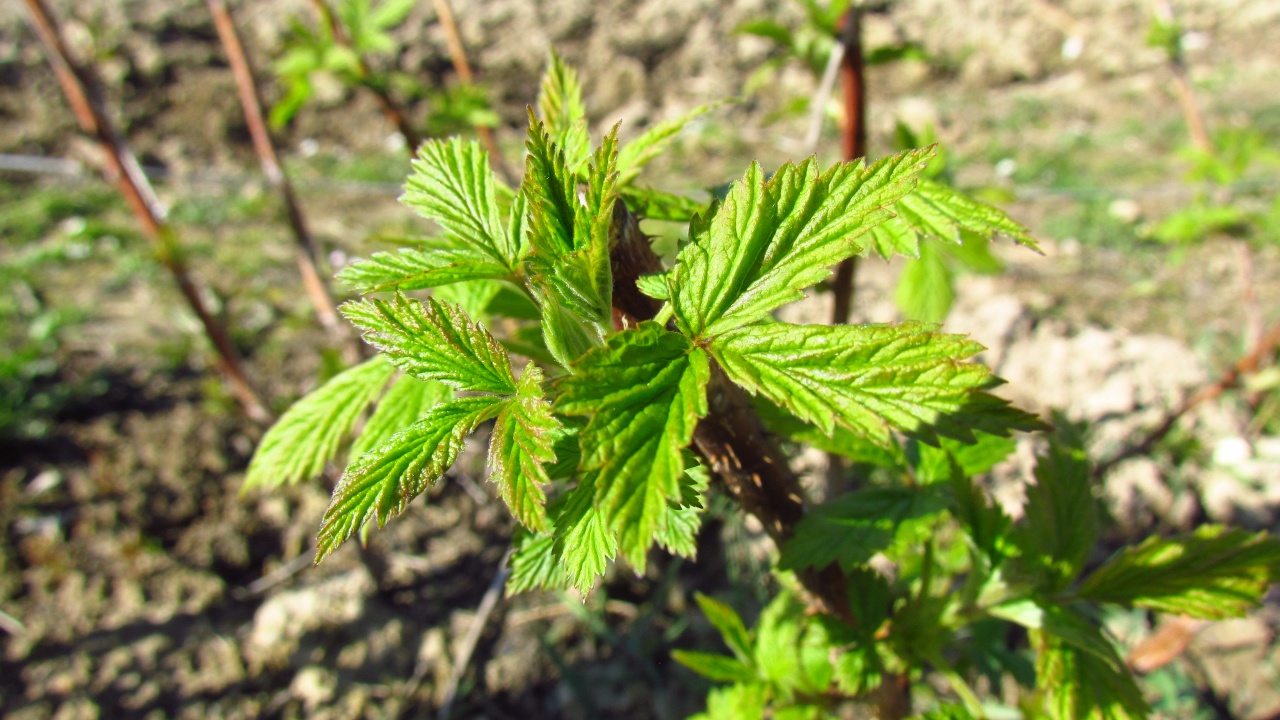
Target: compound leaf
1063, 623
308, 435
854, 527
871, 379
522, 442
584, 544
434, 340
534, 565
637, 153
644, 391
561, 108
382, 482
941, 213
1079, 685
741, 701
452, 184
771, 239
720, 668
407, 400
730, 625
1213, 573
571, 240
659, 205
1060, 519
926, 287
419, 268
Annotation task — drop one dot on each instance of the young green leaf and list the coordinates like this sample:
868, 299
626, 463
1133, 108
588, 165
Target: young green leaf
403, 404
854, 527
1063, 623
452, 184
519, 447
777, 647
390, 13
678, 529
1060, 519
534, 565
842, 441
434, 341
720, 668
571, 240
564, 334
871, 379
583, 542
941, 213
654, 285
770, 240
419, 268
1214, 573
381, 483
637, 153
307, 437
730, 625
1079, 685
934, 464
644, 391
658, 205
742, 701
925, 288
561, 108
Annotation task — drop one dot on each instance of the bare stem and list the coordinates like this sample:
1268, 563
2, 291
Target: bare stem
854, 135
1196, 127
1230, 379
390, 109
313, 280
854, 144
458, 55
123, 169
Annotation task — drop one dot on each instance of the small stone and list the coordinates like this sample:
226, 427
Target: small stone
314, 686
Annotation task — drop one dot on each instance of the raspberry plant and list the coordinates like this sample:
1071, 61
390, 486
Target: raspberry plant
629, 391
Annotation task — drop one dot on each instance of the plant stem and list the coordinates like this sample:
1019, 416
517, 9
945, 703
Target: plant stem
458, 55
1229, 379
313, 281
122, 168
854, 137
731, 437
854, 134
1196, 127
469, 641
390, 109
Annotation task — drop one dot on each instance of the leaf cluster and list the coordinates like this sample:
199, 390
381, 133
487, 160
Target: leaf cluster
592, 419
365, 27
982, 573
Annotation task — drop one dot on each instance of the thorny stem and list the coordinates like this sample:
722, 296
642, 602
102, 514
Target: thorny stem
308, 264
731, 437
392, 111
122, 168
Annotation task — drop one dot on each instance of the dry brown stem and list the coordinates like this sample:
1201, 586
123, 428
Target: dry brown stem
122, 168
